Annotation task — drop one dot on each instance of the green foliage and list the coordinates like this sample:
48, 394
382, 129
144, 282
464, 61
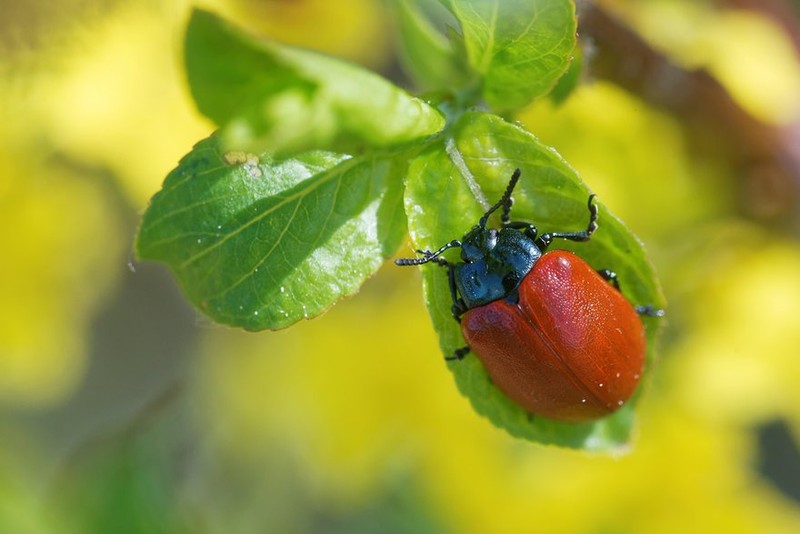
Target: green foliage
319, 169
426, 53
550, 192
271, 97
259, 243
570, 80
518, 49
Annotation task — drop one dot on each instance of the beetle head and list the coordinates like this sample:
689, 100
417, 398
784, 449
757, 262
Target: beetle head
477, 243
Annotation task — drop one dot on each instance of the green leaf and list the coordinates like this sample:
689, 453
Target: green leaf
270, 97
426, 54
261, 243
449, 187
570, 80
519, 48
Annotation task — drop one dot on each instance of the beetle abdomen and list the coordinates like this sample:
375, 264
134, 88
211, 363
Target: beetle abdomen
572, 348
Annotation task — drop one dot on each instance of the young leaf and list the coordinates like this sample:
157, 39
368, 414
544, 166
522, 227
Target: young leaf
426, 53
442, 203
519, 48
570, 80
271, 97
261, 243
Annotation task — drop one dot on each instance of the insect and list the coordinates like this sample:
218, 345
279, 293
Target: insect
555, 336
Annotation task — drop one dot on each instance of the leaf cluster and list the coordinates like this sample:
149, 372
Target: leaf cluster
320, 168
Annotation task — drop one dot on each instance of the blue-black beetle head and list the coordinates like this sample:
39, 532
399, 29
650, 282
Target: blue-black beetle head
477, 243
495, 260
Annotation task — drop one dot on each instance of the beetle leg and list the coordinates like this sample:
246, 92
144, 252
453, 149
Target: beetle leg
545, 239
459, 307
610, 277
650, 311
458, 354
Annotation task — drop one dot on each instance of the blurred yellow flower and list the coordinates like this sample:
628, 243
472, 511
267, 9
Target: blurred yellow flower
625, 150
115, 97
355, 30
740, 360
361, 393
62, 248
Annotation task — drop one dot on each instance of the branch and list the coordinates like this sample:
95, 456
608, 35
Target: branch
765, 157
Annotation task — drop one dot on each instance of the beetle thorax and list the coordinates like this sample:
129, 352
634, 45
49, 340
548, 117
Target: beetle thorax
494, 263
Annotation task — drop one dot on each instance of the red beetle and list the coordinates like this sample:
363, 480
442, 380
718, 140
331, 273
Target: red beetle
557, 337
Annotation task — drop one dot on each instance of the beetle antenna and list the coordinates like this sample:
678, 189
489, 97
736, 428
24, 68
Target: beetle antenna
504, 202
427, 255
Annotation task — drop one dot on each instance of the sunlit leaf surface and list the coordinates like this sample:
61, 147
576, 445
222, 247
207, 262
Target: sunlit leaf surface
519, 48
271, 97
261, 244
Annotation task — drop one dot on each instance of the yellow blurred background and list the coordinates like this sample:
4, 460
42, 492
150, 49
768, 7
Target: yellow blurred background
122, 410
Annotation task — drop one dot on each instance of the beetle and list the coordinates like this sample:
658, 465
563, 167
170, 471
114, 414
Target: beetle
554, 335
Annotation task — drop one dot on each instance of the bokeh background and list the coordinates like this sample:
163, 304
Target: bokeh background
123, 410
